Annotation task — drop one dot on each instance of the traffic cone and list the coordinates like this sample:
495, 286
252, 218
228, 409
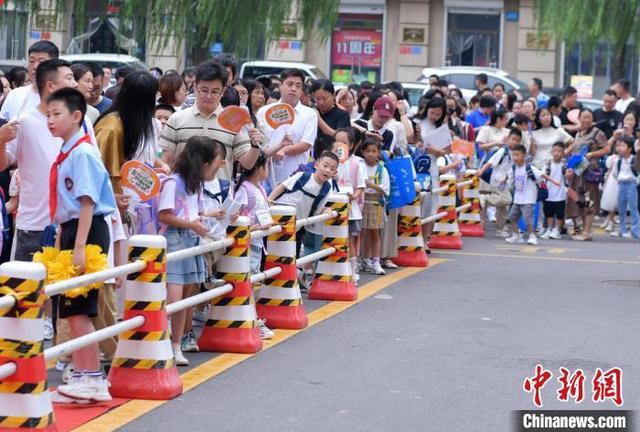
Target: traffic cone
470, 221
445, 231
279, 300
410, 243
333, 278
143, 366
25, 401
232, 325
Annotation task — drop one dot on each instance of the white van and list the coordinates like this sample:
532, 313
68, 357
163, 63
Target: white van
255, 69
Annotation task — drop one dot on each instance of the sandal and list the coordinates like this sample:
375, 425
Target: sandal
581, 237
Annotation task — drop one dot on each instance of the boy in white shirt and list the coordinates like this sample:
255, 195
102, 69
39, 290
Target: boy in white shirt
555, 203
524, 178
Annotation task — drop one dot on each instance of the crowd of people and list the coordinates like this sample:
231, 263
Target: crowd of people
547, 165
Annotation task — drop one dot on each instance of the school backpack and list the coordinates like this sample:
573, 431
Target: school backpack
146, 213
317, 199
543, 192
421, 161
486, 175
222, 195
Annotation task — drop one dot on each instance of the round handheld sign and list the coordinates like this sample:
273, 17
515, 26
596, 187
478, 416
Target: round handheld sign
140, 178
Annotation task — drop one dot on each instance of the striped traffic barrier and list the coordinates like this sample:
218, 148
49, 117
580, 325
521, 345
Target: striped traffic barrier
232, 322
446, 234
411, 251
279, 300
333, 279
144, 354
25, 401
469, 220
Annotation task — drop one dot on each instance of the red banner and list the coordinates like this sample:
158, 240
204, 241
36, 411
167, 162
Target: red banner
357, 47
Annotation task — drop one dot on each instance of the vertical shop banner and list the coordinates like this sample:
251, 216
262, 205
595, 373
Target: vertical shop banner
361, 48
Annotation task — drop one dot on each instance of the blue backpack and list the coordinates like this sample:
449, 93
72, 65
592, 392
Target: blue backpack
222, 195
421, 160
317, 199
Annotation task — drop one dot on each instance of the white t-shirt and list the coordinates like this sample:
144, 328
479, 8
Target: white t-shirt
556, 193
343, 178
501, 166
625, 174
303, 129
260, 204
175, 197
148, 151
489, 134
34, 150
18, 101
622, 104
385, 183
303, 202
210, 204
545, 138
525, 189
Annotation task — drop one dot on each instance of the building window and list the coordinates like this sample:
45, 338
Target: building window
473, 39
13, 34
356, 48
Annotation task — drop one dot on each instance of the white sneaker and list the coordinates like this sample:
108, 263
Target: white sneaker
181, 360
367, 265
515, 238
626, 235
265, 332
87, 388
188, 343
48, 329
615, 234
377, 268
58, 398
389, 264
503, 233
555, 234
609, 227
201, 316
547, 234
356, 278
533, 240
61, 365
67, 373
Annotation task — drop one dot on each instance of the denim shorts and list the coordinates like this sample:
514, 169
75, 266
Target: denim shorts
189, 270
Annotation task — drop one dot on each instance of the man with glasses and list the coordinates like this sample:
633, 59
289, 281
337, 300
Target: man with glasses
202, 120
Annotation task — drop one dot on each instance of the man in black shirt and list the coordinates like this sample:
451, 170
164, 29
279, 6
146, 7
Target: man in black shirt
569, 102
607, 118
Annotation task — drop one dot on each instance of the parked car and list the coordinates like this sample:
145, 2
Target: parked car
415, 90
463, 77
255, 69
114, 61
7, 65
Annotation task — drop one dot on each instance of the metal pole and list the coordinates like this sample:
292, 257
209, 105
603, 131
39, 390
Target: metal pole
463, 208
315, 219
199, 250
315, 256
91, 278
7, 369
433, 218
266, 232
464, 183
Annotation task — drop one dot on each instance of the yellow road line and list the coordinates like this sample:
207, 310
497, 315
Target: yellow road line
133, 409
548, 258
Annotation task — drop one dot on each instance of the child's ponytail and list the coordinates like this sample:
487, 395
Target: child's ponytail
247, 173
198, 151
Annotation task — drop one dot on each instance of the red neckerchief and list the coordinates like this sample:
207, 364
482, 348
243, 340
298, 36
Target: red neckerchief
53, 176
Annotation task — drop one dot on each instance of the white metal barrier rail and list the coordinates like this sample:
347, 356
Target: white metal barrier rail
440, 215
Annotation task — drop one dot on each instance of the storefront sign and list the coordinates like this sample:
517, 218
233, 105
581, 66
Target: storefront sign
584, 85
360, 47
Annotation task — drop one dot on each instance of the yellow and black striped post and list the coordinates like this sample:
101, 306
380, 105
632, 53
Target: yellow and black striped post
334, 279
232, 324
144, 354
25, 402
411, 251
470, 221
446, 234
279, 300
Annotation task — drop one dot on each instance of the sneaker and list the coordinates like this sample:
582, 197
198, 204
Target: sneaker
48, 330
626, 235
503, 233
61, 365
389, 264
367, 265
547, 234
615, 234
181, 360
609, 227
265, 332
555, 234
87, 388
377, 269
302, 281
60, 399
515, 238
201, 316
356, 278
533, 240
188, 342
67, 373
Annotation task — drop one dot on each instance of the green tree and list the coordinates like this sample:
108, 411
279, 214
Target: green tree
239, 24
590, 22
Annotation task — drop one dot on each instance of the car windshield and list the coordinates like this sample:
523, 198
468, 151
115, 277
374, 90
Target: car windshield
318, 73
521, 84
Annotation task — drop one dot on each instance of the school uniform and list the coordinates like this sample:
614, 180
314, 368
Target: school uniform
80, 172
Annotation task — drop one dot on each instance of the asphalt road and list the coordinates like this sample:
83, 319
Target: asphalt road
446, 349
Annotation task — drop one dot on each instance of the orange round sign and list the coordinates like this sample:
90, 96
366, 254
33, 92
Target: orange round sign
233, 118
280, 114
463, 147
140, 178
